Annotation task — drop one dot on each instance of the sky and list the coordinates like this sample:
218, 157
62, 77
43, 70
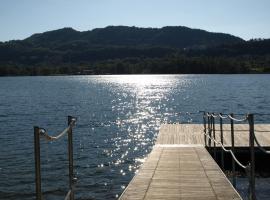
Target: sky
247, 19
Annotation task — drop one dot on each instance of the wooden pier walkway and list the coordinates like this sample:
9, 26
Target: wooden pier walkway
179, 167
186, 134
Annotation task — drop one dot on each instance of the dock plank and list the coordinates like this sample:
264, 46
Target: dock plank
190, 134
180, 173
179, 167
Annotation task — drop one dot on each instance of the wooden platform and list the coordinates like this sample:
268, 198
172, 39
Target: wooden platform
186, 134
179, 167
180, 173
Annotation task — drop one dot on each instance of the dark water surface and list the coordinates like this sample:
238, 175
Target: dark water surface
118, 121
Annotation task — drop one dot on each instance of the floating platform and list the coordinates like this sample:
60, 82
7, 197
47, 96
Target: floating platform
180, 167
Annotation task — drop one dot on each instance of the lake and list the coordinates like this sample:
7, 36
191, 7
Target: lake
118, 121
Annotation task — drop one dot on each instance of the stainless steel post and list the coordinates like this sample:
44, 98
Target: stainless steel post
214, 136
232, 148
209, 130
70, 158
204, 125
252, 195
221, 140
37, 162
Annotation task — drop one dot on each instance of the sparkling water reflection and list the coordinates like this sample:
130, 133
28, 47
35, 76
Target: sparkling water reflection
118, 121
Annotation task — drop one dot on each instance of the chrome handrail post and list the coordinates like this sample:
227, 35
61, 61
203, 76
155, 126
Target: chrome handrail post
70, 157
232, 142
252, 195
37, 162
214, 135
221, 140
204, 124
209, 130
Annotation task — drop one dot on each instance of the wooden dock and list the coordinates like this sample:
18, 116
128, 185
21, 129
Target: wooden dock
192, 134
179, 167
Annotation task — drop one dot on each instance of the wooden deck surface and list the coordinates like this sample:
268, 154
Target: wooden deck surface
179, 167
184, 173
187, 134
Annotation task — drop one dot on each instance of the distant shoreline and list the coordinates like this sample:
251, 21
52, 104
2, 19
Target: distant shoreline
54, 75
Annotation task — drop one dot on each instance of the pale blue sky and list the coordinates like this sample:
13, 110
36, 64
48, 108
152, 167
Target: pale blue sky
244, 18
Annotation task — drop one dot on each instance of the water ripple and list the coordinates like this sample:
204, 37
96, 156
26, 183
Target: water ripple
118, 121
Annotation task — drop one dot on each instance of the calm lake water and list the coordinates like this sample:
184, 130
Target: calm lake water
118, 121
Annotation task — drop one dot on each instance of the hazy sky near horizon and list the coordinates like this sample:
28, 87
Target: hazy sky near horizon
244, 18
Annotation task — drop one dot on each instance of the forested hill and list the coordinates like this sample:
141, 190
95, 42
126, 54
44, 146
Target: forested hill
124, 50
170, 36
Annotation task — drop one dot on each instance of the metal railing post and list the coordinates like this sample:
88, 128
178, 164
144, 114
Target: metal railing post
232, 142
70, 158
209, 130
204, 125
221, 140
214, 136
252, 157
37, 162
